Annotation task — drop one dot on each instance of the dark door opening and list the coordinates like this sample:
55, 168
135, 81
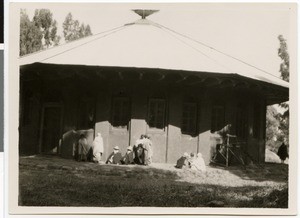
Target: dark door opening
51, 129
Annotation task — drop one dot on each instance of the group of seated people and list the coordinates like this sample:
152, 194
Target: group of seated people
140, 153
192, 161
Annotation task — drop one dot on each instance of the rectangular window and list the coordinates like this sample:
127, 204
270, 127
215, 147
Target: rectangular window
256, 120
189, 118
217, 118
120, 112
156, 113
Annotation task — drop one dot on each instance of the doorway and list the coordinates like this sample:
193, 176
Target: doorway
51, 125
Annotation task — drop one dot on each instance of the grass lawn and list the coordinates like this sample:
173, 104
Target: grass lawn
53, 181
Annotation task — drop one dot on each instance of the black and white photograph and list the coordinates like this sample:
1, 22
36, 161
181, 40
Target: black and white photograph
166, 106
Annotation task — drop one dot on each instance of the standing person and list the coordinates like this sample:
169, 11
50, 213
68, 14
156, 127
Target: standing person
148, 150
282, 152
83, 148
97, 148
115, 157
128, 158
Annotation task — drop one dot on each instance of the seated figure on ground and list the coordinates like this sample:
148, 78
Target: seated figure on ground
115, 157
97, 148
139, 141
83, 148
182, 162
198, 163
128, 158
191, 160
139, 156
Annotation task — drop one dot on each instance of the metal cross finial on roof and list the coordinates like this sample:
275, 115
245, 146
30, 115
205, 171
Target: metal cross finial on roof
144, 13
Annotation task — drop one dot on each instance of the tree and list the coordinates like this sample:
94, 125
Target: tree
272, 128
30, 35
39, 33
73, 30
277, 128
284, 126
43, 19
283, 54
88, 30
82, 31
278, 124
272, 123
67, 26
285, 75
53, 34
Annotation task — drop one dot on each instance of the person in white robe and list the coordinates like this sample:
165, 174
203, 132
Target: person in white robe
97, 147
198, 163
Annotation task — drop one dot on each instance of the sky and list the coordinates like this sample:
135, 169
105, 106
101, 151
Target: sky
246, 31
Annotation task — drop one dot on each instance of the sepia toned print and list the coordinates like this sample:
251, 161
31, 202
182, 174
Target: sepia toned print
142, 110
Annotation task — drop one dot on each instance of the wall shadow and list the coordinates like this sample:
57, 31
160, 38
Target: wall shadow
78, 89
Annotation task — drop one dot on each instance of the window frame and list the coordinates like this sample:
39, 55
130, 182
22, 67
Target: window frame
112, 119
154, 129
193, 130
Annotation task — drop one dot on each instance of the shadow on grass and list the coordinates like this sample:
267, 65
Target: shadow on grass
272, 172
60, 182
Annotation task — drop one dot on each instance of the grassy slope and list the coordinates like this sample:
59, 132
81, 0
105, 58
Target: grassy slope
52, 181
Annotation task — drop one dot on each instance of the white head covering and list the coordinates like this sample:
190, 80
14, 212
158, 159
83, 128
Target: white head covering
97, 144
185, 154
199, 155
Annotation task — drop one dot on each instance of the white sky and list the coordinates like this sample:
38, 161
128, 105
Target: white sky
245, 31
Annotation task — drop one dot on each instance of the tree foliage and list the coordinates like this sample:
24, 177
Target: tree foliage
284, 55
272, 123
278, 124
285, 75
30, 35
272, 128
277, 129
38, 33
73, 30
44, 21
